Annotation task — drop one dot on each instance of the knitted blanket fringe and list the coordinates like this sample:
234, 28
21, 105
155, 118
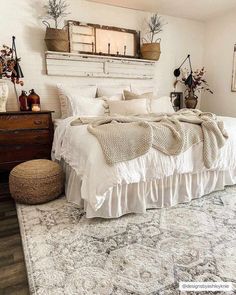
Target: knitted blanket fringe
124, 138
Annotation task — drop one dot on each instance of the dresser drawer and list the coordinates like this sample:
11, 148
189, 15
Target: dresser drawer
8, 166
24, 152
17, 122
25, 137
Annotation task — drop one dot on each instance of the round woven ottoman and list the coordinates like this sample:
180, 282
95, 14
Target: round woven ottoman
36, 182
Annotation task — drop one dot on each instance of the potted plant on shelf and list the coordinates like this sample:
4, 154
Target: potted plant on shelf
195, 85
150, 48
56, 39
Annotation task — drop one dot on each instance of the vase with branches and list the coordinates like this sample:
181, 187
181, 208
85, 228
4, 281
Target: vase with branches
56, 39
197, 85
9, 70
150, 48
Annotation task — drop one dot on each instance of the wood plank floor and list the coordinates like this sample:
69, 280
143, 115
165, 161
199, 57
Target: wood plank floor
13, 277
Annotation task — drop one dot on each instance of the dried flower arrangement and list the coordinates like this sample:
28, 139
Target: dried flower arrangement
9, 69
198, 84
8, 65
55, 10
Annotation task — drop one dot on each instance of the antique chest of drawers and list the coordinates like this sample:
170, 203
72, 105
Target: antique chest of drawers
24, 136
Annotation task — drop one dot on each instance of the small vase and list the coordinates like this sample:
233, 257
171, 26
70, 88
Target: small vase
191, 100
3, 95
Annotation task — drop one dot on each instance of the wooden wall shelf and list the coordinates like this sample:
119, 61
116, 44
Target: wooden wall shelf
86, 65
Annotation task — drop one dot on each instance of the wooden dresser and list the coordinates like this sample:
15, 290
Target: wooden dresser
24, 136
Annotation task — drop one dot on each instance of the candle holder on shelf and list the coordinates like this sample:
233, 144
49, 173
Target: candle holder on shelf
125, 50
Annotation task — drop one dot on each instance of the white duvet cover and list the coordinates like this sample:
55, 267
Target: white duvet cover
82, 151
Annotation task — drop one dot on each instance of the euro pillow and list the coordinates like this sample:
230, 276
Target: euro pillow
139, 89
128, 107
112, 92
131, 95
65, 92
161, 105
87, 107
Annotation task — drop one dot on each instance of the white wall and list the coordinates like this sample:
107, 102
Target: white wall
21, 18
218, 58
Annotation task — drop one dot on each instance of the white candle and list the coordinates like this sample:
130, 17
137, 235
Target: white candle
35, 108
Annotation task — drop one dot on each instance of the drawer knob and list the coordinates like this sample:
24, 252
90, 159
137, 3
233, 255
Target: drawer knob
38, 122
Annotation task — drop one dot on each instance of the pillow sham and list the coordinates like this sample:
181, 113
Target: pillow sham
113, 97
84, 106
161, 105
112, 92
131, 95
141, 89
65, 92
128, 107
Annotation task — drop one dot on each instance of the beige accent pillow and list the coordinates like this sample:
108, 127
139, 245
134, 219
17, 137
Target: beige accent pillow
131, 95
161, 105
128, 107
113, 92
139, 89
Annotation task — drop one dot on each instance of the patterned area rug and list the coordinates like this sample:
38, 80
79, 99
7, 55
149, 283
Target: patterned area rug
135, 254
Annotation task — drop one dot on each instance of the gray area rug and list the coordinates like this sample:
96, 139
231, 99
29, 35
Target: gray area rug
135, 254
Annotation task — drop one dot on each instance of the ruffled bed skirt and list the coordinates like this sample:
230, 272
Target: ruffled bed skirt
157, 193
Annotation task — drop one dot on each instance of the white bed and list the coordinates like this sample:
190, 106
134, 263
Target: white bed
153, 180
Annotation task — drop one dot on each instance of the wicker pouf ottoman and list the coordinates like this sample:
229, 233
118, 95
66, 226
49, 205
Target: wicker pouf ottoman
36, 182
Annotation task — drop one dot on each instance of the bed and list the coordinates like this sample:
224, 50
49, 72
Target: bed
153, 180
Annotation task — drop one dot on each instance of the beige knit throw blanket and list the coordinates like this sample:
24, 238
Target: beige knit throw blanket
125, 138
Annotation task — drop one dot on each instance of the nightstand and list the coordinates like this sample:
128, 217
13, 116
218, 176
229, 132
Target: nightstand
177, 100
24, 136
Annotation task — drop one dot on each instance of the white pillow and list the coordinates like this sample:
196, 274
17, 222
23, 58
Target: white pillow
65, 92
87, 107
161, 105
128, 107
113, 97
113, 92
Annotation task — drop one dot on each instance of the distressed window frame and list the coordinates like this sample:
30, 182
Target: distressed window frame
136, 39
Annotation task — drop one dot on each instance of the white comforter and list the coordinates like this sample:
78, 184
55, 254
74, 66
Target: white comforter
81, 150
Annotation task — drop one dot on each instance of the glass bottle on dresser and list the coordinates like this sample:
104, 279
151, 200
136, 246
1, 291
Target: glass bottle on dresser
23, 99
34, 101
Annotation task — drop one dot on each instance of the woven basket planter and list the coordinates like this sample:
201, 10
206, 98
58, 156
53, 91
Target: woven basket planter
36, 182
57, 40
151, 51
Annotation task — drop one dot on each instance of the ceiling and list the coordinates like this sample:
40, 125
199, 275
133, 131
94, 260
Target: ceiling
201, 10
